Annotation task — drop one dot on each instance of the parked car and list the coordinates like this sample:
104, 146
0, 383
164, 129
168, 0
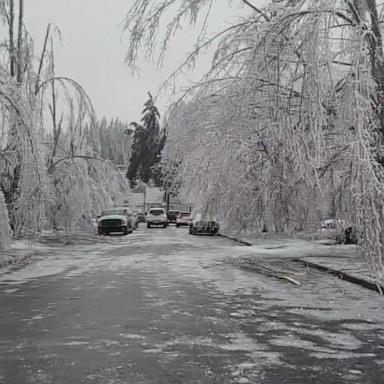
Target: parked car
332, 223
133, 219
183, 219
115, 220
172, 216
342, 231
140, 217
201, 225
157, 216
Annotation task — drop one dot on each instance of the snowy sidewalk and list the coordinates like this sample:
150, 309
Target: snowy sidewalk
343, 261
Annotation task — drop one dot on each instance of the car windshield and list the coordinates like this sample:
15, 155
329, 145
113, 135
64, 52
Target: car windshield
156, 212
110, 212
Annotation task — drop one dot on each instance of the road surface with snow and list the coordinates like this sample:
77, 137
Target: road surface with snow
162, 307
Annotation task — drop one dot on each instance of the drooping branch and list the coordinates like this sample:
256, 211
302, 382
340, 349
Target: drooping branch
86, 157
197, 50
41, 62
258, 10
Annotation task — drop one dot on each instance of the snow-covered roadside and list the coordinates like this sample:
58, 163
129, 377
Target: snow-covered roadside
299, 244
23, 251
20, 254
269, 251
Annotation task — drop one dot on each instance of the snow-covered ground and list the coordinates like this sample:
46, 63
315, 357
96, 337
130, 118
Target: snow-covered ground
160, 306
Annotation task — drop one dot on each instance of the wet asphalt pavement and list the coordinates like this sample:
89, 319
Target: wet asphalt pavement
162, 307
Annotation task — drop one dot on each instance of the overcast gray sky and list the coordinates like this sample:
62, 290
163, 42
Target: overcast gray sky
92, 51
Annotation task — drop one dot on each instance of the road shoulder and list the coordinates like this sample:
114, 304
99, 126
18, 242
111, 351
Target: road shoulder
276, 255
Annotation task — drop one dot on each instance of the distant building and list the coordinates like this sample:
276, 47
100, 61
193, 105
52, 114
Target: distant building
153, 197
139, 201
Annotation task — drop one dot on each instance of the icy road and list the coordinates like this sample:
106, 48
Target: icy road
162, 307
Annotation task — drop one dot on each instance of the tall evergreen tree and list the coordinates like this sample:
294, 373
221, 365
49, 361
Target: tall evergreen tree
147, 145
138, 153
157, 166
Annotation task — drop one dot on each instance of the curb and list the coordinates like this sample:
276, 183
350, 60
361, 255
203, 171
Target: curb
243, 242
344, 276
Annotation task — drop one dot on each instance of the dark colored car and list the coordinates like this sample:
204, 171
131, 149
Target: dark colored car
349, 235
114, 220
203, 226
172, 215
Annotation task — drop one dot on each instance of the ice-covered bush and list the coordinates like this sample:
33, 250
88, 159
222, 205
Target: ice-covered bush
49, 175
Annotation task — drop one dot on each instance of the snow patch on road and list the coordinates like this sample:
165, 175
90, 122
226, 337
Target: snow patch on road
260, 353
10, 291
75, 343
72, 261
363, 326
132, 336
343, 341
342, 355
33, 272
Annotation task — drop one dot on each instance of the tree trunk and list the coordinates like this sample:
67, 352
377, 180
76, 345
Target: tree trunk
20, 39
38, 77
11, 37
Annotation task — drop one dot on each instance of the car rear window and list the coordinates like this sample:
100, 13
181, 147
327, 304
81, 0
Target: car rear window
184, 214
156, 212
109, 212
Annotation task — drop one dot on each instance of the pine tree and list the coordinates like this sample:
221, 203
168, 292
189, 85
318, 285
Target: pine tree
138, 153
147, 146
157, 166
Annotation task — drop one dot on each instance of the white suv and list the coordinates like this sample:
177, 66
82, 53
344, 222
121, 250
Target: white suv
157, 216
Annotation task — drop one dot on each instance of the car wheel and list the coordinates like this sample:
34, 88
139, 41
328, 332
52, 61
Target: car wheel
100, 232
125, 230
148, 225
177, 225
164, 225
